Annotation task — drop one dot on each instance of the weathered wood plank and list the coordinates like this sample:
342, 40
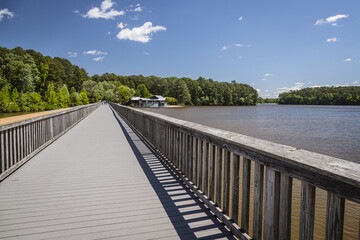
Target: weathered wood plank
226, 192
194, 148
235, 178
335, 217
245, 206
190, 156
285, 207
218, 169
258, 200
212, 181
307, 211
206, 168
2, 152
200, 152
271, 212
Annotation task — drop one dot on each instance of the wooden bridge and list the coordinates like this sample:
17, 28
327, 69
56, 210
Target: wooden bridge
146, 176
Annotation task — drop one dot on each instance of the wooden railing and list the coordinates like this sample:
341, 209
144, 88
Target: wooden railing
22, 140
210, 159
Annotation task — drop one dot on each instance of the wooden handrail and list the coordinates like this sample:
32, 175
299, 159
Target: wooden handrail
22, 140
204, 155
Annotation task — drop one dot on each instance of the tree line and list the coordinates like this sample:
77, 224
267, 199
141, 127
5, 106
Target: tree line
30, 81
322, 96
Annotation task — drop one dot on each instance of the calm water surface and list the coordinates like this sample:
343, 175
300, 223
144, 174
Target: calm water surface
329, 130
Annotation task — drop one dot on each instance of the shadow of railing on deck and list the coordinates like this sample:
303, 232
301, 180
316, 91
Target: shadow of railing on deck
181, 206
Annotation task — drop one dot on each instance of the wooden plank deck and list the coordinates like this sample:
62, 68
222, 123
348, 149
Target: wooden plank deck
100, 181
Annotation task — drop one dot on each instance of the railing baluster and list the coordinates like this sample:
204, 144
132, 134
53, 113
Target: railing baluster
218, 169
335, 217
245, 206
2, 152
285, 207
258, 200
190, 155
271, 213
307, 211
212, 172
235, 178
195, 147
11, 147
206, 167
199, 164
226, 191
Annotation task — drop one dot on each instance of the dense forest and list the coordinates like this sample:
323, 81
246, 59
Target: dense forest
322, 95
30, 81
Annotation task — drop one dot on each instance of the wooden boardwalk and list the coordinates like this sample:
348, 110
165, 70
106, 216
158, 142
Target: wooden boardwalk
100, 181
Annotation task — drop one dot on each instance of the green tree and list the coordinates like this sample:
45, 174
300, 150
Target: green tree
5, 98
124, 94
171, 100
83, 98
142, 91
182, 92
63, 97
51, 97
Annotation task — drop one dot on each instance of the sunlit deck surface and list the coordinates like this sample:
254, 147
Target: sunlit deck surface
100, 181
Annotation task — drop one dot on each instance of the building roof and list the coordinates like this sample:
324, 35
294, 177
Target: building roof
158, 97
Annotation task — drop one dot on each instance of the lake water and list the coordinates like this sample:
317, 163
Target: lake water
329, 130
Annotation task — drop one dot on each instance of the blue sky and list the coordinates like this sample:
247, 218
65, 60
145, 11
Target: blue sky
273, 46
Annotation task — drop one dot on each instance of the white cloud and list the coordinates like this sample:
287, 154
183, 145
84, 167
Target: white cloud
258, 90
355, 82
347, 60
331, 19
299, 83
137, 8
266, 90
72, 54
287, 89
121, 25
241, 18
241, 45
315, 86
140, 34
98, 59
106, 11
224, 48
146, 53
240, 57
94, 52
76, 11
334, 39
267, 75
6, 12
336, 17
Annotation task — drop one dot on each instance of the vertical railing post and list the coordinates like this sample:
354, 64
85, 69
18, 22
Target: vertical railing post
190, 155
334, 217
285, 207
258, 200
212, 181
235, 166
199, 164
206, 168
272, 197
226, 191
245, 196
218, 169
307, 211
